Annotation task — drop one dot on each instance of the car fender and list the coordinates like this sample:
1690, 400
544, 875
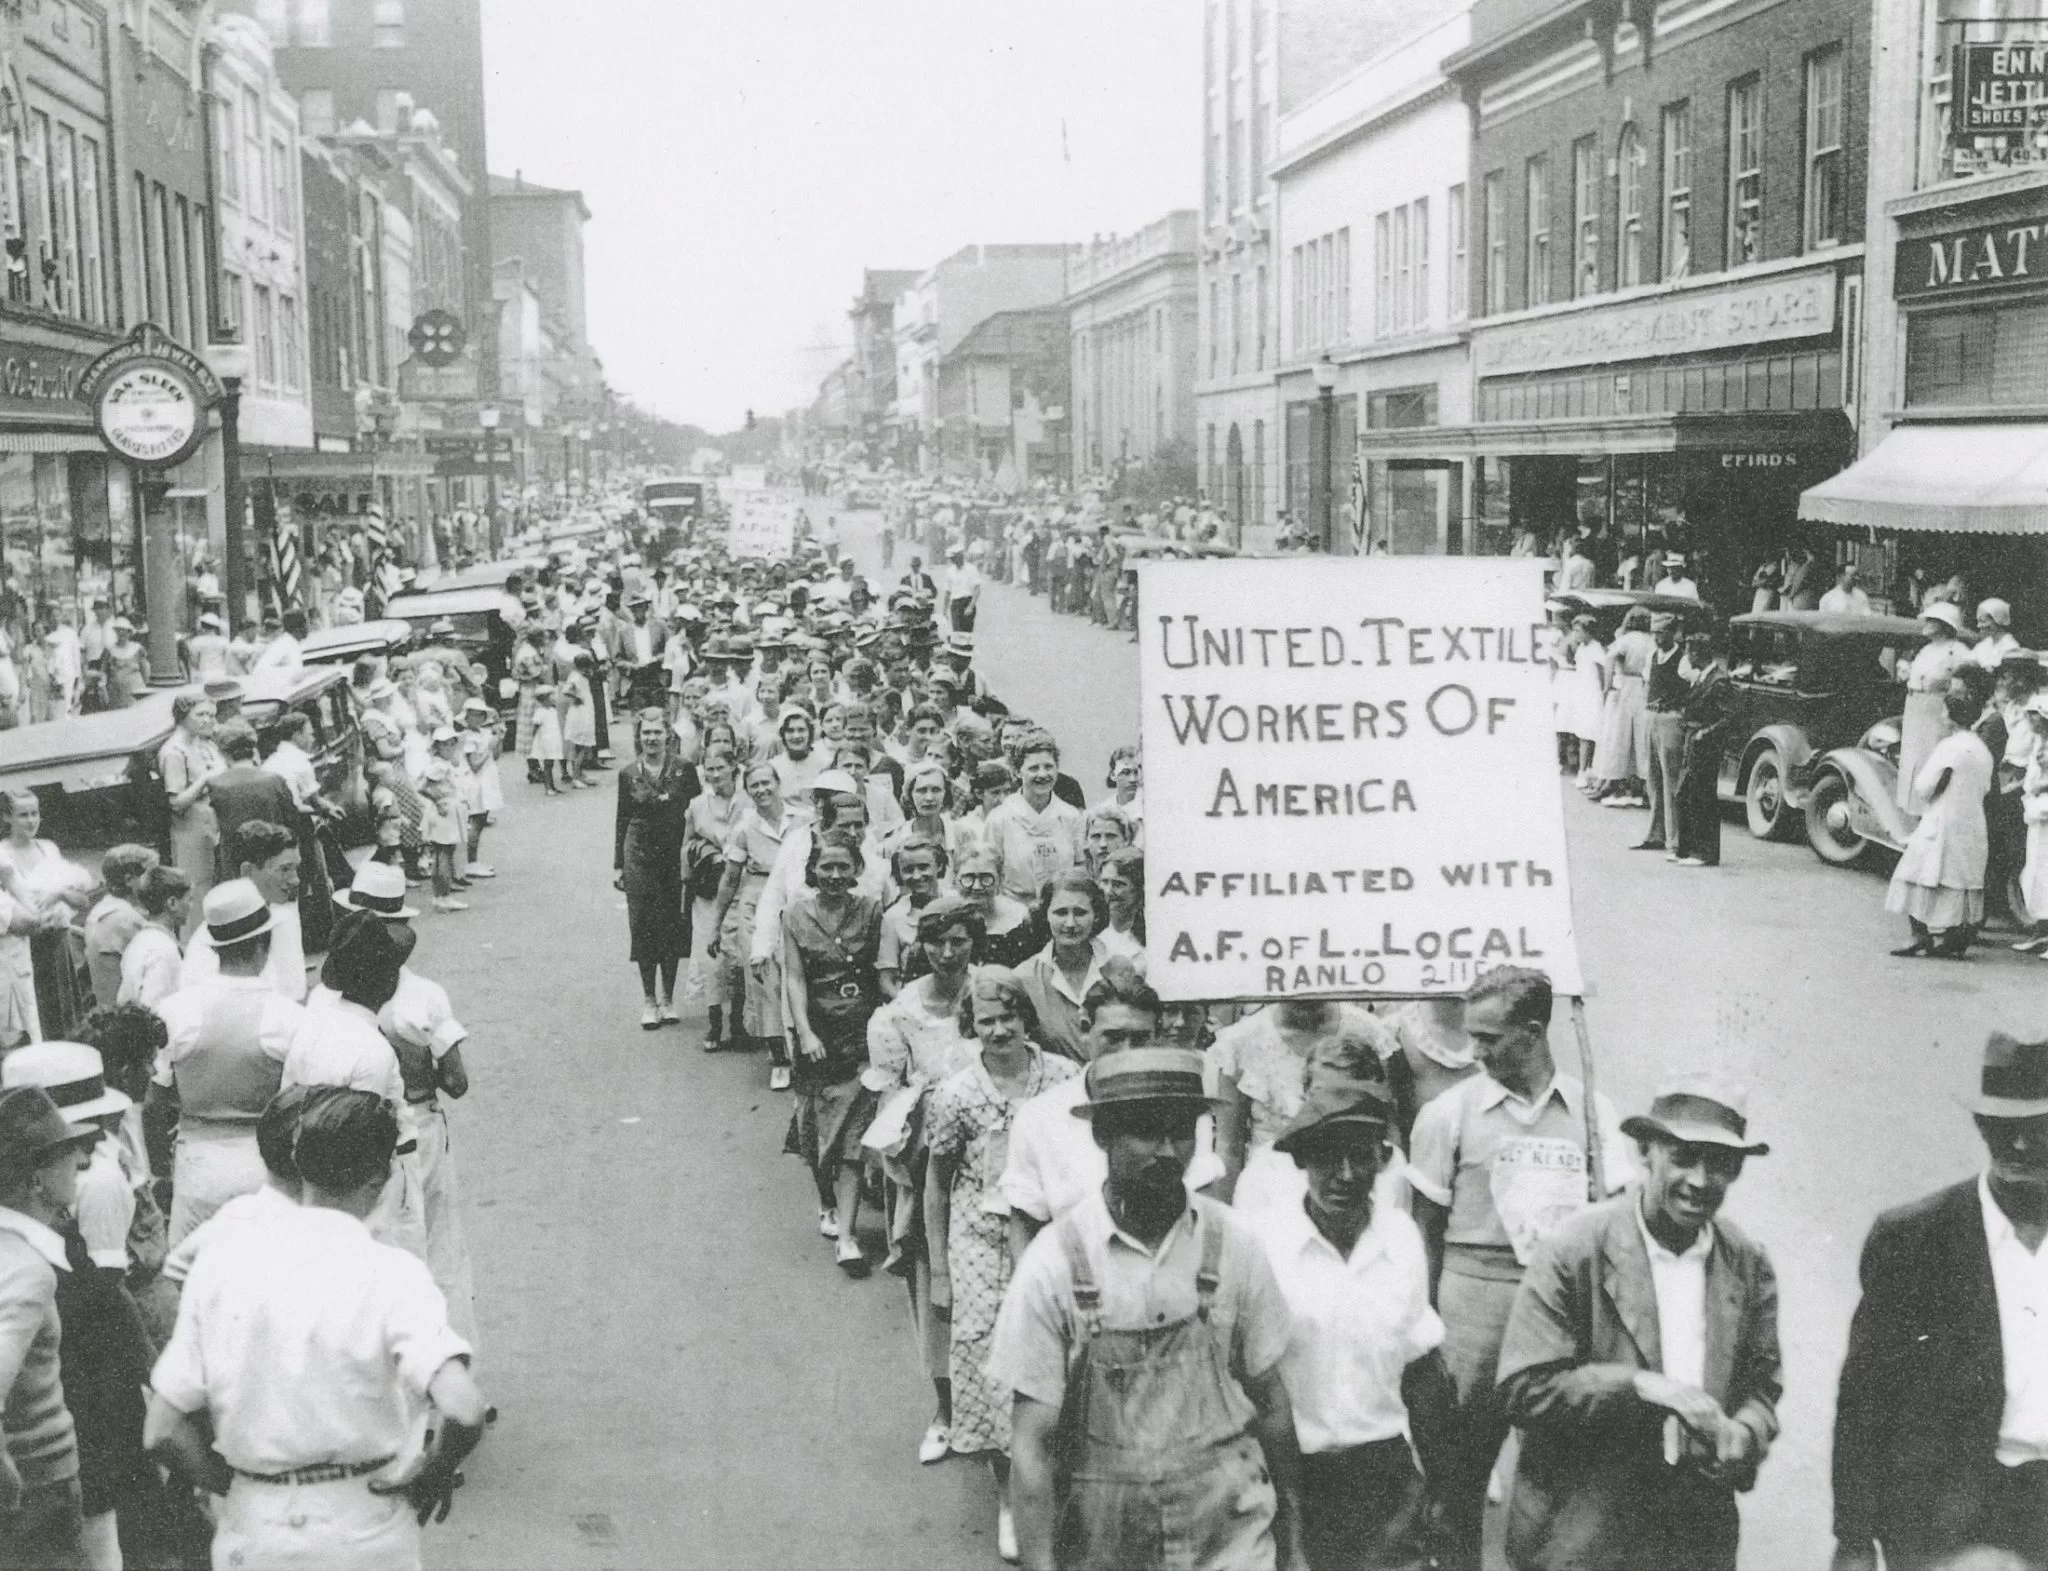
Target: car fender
1790, 743
1875, 782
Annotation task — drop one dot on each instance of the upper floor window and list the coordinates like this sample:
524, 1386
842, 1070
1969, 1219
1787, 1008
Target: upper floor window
1536, 258
282, 207
387, 109
1455, 247
258, 183
316, 111
1494, 214
1824, 147
312, 27
1677, 190
276, 20
1745, 171
1585, 216
1629, 233
388, 24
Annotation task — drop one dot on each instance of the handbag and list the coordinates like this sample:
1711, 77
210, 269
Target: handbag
704, 870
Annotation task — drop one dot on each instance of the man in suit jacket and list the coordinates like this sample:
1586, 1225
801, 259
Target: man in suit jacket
243, 793
1941, 1422
636, 654
1641, 1359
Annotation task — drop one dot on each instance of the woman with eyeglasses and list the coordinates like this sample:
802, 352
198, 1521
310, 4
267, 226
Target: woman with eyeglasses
1010, 928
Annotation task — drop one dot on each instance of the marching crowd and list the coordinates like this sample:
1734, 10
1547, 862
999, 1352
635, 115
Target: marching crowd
1202, 1286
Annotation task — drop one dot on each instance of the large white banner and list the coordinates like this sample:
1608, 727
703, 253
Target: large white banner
1351, 781
763, 523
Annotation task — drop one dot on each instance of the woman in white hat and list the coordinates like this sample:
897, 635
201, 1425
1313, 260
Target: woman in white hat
1926, 717
1938, 885
127, 666
206, 651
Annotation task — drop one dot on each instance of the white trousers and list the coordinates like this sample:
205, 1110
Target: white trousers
447, 1249
338, 1526
213, 1166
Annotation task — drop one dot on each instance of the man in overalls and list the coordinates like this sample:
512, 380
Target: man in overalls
1142, 1335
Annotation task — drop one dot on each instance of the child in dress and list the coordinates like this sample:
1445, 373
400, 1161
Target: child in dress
579, 722
480, 739
545, 749
442, 827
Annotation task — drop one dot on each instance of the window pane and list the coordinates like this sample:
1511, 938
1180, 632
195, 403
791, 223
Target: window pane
1745, 172
1677, 250
1536, 289
91, 234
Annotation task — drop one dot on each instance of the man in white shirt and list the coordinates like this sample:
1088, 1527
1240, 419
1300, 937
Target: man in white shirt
1053, 1163
1847, 597
226, 1043
270, 860
285, 651
1634, 1442
1675, 580
303, 1353
962, 589
1362, 1359
1035, 833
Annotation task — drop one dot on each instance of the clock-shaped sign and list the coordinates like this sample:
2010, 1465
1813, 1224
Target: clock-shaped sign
438, 337
151, 412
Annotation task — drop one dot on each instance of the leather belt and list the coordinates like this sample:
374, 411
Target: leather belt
318, 1473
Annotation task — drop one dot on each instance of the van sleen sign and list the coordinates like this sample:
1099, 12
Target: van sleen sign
1351, 778
1996, 89
1987, 257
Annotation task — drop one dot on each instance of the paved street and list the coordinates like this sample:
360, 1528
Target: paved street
685, 1380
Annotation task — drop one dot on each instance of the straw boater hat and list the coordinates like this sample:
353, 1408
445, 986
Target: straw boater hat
236, 912
2012, 1084
1698, 1110
1143, 1075
73, 1074
379, 888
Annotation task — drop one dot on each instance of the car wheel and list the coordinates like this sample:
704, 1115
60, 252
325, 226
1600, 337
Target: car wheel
1828, 829
1769, 814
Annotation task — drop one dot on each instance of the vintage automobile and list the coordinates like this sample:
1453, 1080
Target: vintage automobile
97, 779
1607, 607
1804, 683
342, 646
476, 626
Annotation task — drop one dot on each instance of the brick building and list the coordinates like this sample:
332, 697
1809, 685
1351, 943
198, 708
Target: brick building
1668, 221
1002, 392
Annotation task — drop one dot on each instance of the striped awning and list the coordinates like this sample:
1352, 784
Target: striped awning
1961, 478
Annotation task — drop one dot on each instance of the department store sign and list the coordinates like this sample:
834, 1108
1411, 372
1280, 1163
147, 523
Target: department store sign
1731, 316
2005, 255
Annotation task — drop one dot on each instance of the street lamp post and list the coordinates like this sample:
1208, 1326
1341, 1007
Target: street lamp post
487, 417
230, 361
1326, 399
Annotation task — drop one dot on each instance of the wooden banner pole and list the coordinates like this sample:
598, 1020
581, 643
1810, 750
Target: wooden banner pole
1596, 1165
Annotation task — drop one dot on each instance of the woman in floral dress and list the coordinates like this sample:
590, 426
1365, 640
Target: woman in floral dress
967, 1127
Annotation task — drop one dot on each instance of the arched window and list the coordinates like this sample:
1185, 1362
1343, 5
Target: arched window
1629, 268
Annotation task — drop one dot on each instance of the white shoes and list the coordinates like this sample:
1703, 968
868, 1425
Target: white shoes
479, 870
450, 903
1006, 1536
778, 1078
669, 1016
650, 1018
828, 1225
850, 1258
937, 1444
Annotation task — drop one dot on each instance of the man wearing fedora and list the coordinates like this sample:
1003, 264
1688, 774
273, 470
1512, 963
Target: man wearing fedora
1368, 1387
41, 1156
1641, 1362
636, 653
1941, 1420
228, 1038
1142, 1336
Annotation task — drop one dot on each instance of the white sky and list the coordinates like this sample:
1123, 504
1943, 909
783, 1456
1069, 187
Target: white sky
744, 159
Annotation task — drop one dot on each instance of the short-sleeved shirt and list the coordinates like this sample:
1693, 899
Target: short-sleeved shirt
357, 1328
1141, 1290
1034, 845
1058, 1001
1478, 1149
339, 1045
1359, 1322
1269, 1063
150, 966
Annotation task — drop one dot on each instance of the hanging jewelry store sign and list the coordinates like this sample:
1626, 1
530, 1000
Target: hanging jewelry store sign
149, 396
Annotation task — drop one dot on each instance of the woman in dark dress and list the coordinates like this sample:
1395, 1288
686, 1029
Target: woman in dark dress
655, 792
831, 946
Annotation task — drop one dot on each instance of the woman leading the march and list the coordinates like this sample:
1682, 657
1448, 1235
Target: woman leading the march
655, 793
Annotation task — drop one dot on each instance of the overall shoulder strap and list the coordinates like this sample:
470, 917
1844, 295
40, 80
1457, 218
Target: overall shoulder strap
1087, 1295
1209, 1276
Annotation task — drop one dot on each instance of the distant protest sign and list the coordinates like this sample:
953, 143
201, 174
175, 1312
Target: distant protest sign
1351, 781
763, 524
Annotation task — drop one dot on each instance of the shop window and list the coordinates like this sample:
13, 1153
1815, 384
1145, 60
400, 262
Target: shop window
1630, 172
1745, 171
1458, 285
1978, 358
1585, 217
1536, 213
1494, 200
1824, 174
1677, 250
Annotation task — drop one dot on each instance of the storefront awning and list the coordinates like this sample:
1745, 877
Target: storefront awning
1955, 479
300, 464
